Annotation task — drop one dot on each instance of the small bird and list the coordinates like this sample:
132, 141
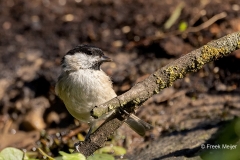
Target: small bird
82, 85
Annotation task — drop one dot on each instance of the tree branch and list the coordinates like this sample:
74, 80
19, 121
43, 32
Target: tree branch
156, 82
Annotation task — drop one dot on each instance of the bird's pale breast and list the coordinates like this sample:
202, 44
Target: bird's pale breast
82, 90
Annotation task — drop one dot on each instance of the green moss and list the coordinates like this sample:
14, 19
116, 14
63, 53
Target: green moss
156, 91
199, 63
123, 103
210, 53
238, 44
181, 74
173, 74
110, 107
136, 101
159, 81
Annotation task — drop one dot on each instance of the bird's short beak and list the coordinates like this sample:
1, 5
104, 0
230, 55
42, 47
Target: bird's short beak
105, 59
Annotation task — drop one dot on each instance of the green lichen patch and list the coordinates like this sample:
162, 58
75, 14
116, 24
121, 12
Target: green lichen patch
110, 107
210, 53
238, 44
160, 82
136, 101
173, 74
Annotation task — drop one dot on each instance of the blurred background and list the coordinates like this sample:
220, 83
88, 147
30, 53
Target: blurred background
140, 36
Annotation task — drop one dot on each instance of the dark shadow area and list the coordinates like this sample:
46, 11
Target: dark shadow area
153, 50
40, 86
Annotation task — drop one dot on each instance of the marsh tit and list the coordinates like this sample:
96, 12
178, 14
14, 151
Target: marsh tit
82, 85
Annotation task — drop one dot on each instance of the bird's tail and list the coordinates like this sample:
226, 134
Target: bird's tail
138, 125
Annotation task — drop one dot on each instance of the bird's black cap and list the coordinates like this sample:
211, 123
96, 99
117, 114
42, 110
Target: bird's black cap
87, 49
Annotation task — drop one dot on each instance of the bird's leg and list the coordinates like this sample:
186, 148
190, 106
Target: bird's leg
91, 124
76, 145
121, 110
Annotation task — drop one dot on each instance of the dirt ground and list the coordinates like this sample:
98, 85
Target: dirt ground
36, 34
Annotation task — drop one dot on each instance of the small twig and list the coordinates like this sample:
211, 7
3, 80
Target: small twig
72, 133
45, 154
197, 12
177, 32
207, 23
7, 127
